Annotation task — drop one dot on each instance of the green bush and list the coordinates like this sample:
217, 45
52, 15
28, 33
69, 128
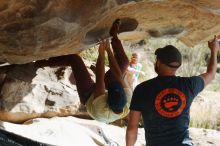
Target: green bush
218, 70
193, 57
218, 123
92, 55
218, 57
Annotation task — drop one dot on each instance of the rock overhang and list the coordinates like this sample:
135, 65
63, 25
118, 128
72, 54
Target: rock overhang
33, 29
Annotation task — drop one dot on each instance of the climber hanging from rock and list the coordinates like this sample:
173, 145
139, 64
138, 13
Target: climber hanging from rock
101, 104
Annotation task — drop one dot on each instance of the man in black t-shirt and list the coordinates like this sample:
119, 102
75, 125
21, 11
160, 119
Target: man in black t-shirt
164, 102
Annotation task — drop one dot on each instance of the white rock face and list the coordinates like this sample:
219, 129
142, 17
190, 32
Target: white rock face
27, 92
67, 131
78, 132
205, 137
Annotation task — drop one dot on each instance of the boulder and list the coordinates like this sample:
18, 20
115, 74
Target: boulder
28, 92
34, 29
66, 131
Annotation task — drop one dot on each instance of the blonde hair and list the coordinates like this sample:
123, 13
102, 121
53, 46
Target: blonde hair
135, 55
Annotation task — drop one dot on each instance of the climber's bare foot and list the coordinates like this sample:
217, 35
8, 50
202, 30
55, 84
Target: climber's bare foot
115, 28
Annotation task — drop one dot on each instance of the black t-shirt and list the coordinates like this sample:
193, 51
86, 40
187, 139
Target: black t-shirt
164, 103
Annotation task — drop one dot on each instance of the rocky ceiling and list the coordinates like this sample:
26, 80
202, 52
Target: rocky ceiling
38, 29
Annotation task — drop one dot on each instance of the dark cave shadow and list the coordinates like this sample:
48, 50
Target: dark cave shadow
93, 36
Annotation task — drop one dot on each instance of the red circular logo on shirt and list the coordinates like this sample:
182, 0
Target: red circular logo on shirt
170, 102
